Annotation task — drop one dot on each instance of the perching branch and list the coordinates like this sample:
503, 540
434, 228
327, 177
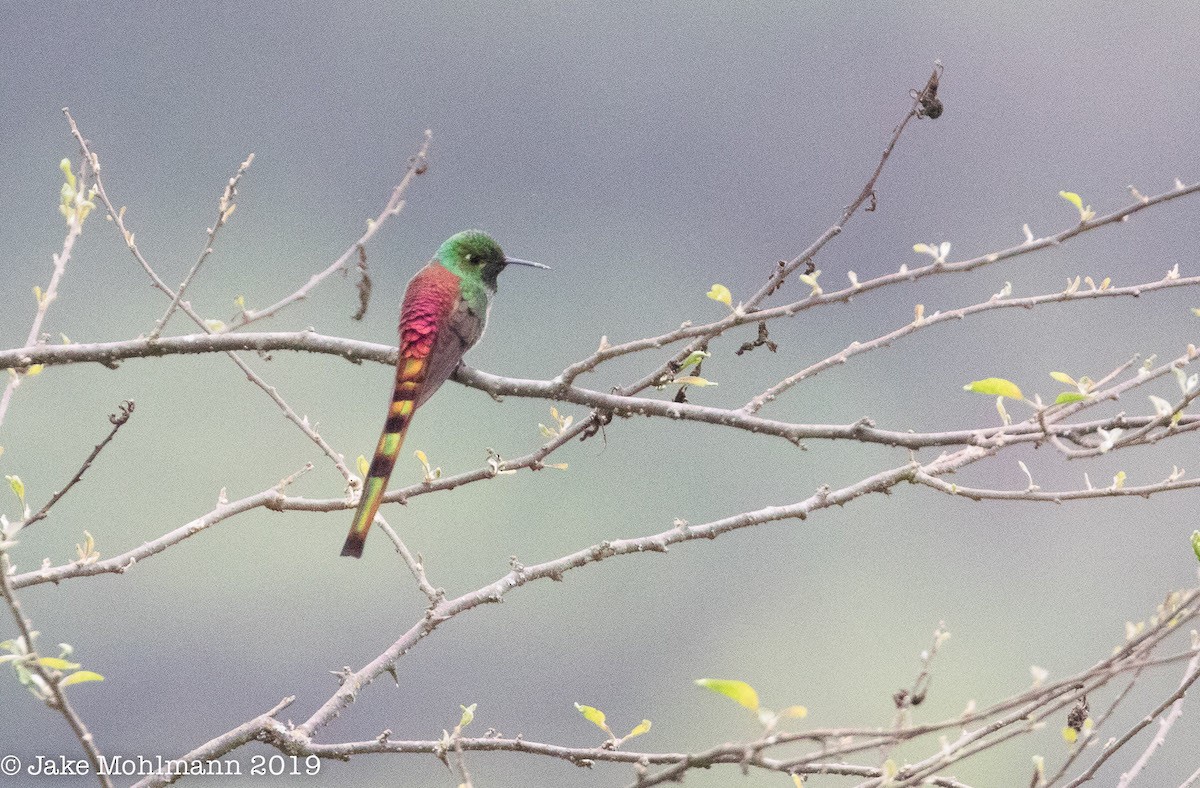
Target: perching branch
863, 430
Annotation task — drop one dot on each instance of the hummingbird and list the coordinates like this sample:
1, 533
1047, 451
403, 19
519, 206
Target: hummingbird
444, 312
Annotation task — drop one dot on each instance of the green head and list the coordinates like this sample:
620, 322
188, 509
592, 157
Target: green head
476, 257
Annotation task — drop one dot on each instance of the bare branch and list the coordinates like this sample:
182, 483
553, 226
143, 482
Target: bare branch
414, 563
905, 274
1189, 678
225, 208
118, 218
226, 742
118, 420
863, 430
975, 494
855, 348
74, 228
56, 699
1164, 725
417, 165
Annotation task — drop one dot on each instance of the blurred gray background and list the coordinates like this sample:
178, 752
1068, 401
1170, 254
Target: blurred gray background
644, 151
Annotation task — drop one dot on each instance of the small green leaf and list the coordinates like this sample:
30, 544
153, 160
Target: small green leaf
793, 712
721, 293
1069, 396
79, 677
468, 714
1063, 377
55, 663
65, 166
692, 380
18, 487
996, 387
639, 730
695, 358
1196, 544
1085, 213
240, 302
1072, 198
214, 325
362, 465
736, 690
594, 716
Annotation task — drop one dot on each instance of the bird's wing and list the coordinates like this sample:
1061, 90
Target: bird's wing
457, 333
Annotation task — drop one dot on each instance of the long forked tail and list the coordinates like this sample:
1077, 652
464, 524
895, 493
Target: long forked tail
410, 373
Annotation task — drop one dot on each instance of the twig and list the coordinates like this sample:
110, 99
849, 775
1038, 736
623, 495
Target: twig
274, 499
118, 420
226, 742
118, 218
51, 682
976, 494
855, 348
415, 565
1164, 726
1189, 678
74, 228
975, 741
905, 274
1033, 705
1087, 739
417, 165
777, 277
225, 208
914, 695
